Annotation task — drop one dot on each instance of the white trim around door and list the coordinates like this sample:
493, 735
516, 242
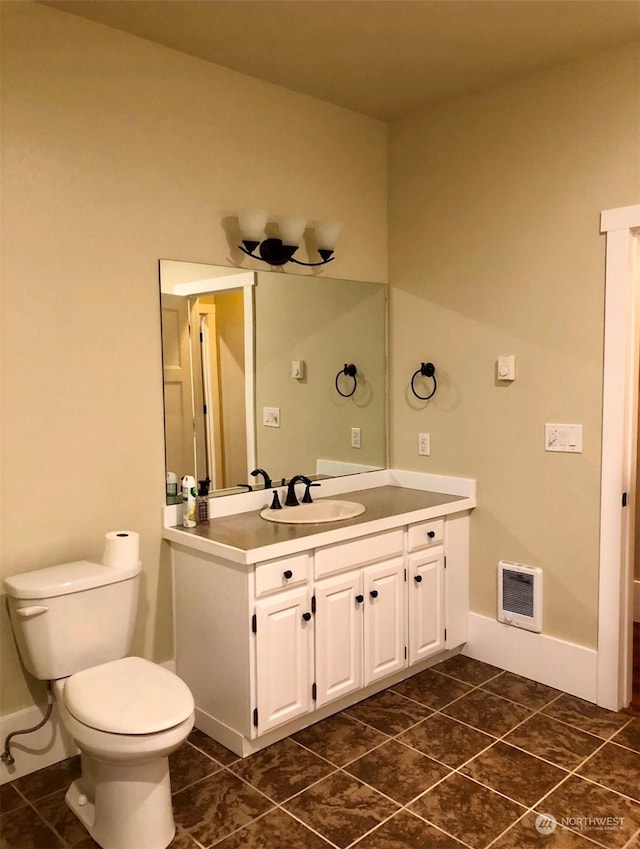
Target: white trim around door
619, 434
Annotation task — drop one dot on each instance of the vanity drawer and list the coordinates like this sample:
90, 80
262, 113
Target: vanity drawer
425, 534
275, 575
359, 552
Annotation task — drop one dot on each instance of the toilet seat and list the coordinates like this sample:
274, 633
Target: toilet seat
131, 696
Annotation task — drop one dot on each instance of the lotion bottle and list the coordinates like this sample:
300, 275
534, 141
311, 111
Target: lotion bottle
172, 488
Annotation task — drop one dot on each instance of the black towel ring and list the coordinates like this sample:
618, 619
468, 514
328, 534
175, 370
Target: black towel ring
425, 370
350, 370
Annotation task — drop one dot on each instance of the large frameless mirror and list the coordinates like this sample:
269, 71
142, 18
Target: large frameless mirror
254, 375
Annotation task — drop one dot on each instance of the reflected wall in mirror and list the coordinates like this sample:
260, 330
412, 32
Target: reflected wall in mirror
231, 343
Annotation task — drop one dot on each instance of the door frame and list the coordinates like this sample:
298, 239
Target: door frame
618, 472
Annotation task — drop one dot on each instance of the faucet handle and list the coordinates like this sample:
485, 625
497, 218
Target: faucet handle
275, 503
306, 498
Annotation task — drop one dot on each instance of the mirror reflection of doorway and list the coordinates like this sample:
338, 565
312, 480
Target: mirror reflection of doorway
220, 373
204, 386
178, 392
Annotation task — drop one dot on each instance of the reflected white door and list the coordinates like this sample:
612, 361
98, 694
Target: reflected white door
178, 395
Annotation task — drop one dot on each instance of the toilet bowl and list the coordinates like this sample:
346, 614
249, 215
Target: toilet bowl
73, 625
126, 717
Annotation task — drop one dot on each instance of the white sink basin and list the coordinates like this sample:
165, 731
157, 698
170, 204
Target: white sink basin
328, 510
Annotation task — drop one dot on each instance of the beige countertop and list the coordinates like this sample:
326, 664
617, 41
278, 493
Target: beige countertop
248, 534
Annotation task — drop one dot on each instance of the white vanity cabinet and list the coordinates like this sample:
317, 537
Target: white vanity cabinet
360, 616
283, 630
426, 590
271, 646
284, 658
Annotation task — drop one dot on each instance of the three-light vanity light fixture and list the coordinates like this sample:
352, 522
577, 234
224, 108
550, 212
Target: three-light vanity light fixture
280, 250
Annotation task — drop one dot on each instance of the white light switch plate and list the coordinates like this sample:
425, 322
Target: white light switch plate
566, 438
271, 416
506, 367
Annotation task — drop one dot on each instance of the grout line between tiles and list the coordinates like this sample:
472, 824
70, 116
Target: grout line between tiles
197, 781
310, 827
536, 805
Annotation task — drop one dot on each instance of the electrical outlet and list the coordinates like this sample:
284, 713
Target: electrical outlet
356, 437
424, 444
271, 416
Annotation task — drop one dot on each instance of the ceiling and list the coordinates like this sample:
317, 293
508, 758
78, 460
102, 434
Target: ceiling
383, 58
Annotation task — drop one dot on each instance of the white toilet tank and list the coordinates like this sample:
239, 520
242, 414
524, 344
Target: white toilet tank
73, 616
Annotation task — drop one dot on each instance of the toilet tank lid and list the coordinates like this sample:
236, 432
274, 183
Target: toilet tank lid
66, 578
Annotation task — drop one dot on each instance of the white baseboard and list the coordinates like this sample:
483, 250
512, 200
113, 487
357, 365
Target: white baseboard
34, 751
550, 661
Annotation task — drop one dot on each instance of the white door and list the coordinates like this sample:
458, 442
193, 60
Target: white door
178, 393
426, 604
339, 613
284, 658
384, 619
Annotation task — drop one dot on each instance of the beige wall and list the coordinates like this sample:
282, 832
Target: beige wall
118, 152
494, 249
325, 323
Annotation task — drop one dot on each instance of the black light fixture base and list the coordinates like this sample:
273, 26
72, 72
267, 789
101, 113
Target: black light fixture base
273, 252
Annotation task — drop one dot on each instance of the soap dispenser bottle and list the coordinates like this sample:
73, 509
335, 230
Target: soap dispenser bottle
202, 501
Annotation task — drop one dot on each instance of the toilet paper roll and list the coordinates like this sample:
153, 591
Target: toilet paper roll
121, 549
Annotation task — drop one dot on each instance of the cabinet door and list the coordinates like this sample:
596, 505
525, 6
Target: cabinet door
339, 611
284, 657
384, 619
426, 604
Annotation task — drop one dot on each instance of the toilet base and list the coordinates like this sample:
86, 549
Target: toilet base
124, 805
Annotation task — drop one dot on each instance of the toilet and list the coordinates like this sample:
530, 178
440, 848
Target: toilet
73, 625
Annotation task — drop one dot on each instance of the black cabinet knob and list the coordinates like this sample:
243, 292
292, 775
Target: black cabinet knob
374, 593
288, 574
306, 616
431, 534
417, 578
359, 599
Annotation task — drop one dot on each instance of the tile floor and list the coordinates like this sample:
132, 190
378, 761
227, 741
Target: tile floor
462, 755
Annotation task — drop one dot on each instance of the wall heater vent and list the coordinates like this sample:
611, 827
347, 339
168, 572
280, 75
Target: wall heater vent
520, 595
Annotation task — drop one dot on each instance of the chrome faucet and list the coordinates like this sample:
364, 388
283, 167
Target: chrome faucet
291, 500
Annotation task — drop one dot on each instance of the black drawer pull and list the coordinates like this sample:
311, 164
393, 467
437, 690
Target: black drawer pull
417, 579
431, 534
288, 574
306, 616
359, 599
374, 593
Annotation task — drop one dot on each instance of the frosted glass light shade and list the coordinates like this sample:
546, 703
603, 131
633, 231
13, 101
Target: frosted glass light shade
252, 224
327, 233
291, 230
